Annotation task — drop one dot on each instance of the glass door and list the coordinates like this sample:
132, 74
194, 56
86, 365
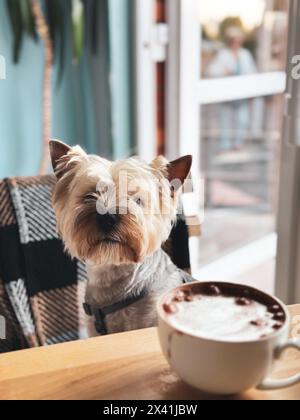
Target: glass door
226, 83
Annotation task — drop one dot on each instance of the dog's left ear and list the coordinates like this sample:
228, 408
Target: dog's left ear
179, 170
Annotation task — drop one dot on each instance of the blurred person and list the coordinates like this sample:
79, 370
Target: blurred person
233, 60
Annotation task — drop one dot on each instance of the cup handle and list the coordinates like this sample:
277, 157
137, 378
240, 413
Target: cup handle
272, 384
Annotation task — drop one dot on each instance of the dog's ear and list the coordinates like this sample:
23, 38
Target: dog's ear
58, 149
179, 170
62, 154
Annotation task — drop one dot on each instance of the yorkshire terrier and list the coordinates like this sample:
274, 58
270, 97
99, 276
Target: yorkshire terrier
115, 216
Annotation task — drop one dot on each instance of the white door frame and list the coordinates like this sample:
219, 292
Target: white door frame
145, 99
183, 69
182, 108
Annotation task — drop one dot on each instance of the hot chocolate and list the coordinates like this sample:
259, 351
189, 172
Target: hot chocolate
224, 312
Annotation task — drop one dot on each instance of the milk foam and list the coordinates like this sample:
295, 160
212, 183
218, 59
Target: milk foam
221, 318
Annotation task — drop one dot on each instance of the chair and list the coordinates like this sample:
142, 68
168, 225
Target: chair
41, 287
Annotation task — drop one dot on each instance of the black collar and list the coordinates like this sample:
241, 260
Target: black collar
101, 313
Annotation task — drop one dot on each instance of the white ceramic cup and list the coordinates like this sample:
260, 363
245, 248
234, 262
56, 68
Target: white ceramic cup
221, 367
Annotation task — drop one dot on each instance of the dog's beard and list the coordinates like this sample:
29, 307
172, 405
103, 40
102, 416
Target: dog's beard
86, 241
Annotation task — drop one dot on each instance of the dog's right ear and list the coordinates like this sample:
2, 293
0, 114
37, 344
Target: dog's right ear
58, 150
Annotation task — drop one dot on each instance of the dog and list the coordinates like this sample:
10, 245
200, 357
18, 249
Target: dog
115, 216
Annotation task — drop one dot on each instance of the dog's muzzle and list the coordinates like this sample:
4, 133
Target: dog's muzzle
107, 222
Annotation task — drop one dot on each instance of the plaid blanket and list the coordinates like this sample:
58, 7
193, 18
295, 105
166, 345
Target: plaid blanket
41, 287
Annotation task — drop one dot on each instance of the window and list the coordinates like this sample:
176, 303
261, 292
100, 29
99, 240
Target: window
229, 117
258, 26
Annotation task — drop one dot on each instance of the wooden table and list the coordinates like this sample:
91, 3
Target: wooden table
124, 366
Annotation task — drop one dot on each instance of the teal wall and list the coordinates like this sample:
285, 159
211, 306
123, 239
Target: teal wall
21, 106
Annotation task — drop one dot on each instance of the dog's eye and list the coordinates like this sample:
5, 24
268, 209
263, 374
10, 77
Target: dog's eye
90, 197
139, 201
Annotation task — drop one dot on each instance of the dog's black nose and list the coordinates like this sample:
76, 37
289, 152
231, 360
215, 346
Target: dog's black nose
107, 221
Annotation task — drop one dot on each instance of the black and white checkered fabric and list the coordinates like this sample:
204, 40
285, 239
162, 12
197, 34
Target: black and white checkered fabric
41, 287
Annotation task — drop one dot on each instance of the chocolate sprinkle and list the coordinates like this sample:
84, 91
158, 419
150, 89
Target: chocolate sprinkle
279, 316
257, 323
278, 325
179, 297
243, 302
273, 309
169, 308
214, 290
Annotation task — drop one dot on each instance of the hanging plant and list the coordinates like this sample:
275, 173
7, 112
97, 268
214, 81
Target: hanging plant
50, 20
78, 15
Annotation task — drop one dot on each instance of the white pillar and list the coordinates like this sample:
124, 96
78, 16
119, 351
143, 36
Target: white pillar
145, 80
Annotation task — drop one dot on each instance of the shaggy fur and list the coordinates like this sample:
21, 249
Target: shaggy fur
122, 252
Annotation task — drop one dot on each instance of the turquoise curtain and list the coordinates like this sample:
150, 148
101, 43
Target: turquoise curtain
92, 106
120, 37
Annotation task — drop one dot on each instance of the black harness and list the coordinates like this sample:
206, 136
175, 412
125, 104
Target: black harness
101, 313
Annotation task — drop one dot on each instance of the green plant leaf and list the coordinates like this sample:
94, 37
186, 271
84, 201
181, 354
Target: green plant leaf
57, 13
77, 28
79, 16
28, 18
15, 16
